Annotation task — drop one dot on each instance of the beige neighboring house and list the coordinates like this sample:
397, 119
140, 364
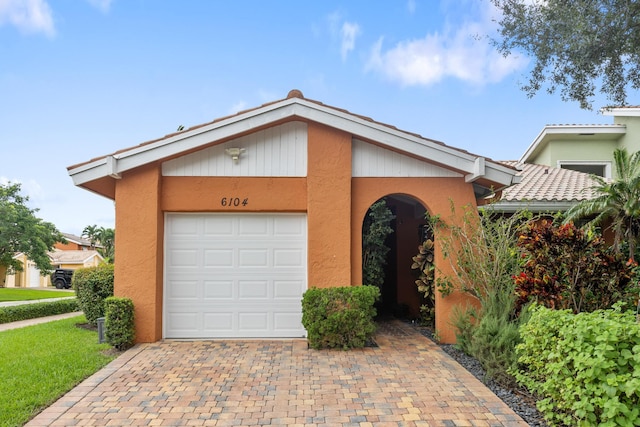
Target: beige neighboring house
30, 277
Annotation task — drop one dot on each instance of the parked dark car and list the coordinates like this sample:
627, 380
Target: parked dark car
61, 278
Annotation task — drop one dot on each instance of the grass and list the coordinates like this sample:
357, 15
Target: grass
21, 294
40, 363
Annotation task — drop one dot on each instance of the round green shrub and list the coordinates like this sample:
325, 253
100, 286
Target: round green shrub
93, 285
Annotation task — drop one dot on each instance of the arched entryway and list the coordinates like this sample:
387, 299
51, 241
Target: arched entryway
399, 294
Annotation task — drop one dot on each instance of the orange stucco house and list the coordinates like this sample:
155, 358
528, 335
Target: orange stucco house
220, 228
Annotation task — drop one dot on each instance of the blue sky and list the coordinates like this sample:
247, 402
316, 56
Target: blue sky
83, 78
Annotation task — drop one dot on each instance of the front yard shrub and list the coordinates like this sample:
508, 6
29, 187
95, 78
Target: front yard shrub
491, 334
565, 267
339, 317
585, 368
93, 285
119, 328
39, 309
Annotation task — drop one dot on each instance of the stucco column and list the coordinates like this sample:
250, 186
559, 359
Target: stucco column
138, 249
329, 206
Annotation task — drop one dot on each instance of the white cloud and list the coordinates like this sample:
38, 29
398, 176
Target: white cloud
103, 5
460, 53
348, 32
411, 6
343, 31
29, 16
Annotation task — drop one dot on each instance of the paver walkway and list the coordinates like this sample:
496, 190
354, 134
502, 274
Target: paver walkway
406, 381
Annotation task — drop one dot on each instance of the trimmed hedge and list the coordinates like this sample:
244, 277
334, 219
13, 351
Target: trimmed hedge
16, 313
339, 317
119, 329
93, 285
585, 367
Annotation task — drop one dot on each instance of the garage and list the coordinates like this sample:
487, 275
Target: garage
234, 275
222, 226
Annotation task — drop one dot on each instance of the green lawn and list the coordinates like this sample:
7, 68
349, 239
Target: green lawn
40, 363
23, 294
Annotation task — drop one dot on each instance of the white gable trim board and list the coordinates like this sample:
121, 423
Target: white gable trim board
289, 108
234, 275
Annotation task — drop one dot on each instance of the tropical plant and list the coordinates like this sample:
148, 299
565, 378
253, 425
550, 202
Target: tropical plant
423, 262
617, 200
375, 230
90, 232
22, 231
565, 267
103, 239
481, 248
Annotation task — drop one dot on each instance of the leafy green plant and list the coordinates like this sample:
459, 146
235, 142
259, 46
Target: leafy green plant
584, 367
481, 248
93, 285
375, 230
339, 317
119, 326
423, 262
39, 309
567, 267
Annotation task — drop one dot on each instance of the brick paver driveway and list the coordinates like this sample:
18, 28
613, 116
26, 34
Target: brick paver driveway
406, 381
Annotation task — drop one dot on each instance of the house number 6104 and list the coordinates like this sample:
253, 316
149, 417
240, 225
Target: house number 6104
234, 201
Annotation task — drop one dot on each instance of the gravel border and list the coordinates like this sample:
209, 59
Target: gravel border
518, 400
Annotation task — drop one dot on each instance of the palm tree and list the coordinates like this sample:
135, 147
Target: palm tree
617, 200
106, 237
91, 233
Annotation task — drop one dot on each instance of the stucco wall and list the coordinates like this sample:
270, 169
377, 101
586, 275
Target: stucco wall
335, 204
436, 194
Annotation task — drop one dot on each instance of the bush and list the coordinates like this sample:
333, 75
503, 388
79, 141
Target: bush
339, 317
40, 309
585, 367
566, 267
491, 335
93, 285
119, 329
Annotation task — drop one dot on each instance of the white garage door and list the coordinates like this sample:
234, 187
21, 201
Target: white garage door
234, 275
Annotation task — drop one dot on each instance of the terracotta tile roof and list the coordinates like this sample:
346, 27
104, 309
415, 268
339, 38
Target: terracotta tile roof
542, 183
72, 257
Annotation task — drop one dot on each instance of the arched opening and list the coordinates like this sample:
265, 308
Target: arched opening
400, 297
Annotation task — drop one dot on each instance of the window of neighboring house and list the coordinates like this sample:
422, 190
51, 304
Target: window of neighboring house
602, 169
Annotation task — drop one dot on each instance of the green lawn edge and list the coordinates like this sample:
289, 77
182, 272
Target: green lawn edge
40, 363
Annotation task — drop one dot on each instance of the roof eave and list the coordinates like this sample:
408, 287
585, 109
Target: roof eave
576, 130
114, 165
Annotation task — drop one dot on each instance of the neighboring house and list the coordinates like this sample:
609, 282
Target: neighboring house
30, 277
587, 148
75, 243
74, 259
223, 226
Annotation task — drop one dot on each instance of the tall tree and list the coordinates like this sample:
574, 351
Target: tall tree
91, 232
102, 237
576, 45
106, 237
617, 200
22, 231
